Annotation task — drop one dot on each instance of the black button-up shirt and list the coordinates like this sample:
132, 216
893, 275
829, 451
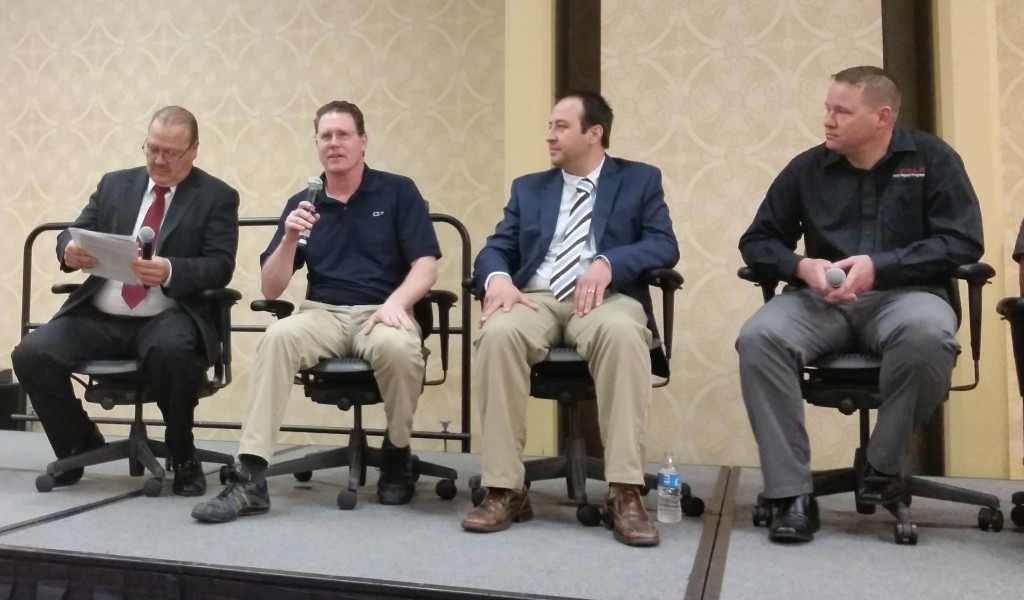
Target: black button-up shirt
914, 214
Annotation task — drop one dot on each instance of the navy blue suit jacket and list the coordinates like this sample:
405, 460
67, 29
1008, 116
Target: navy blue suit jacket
631, 225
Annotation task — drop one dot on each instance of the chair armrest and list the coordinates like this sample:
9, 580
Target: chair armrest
663, 278
469, 285
64, 288
444, 300
221, 300
278, 308
977, 275
1012, 309
768, 285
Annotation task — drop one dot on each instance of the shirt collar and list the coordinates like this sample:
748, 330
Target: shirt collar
573, 180
152, 184
901, 141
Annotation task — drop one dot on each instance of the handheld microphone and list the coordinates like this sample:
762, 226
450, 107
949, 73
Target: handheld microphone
146, 236
835, 277
313, 187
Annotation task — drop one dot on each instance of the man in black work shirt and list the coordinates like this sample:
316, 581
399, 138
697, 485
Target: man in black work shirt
895, 211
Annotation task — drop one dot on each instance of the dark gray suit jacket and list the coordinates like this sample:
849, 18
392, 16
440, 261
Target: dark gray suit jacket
199, 236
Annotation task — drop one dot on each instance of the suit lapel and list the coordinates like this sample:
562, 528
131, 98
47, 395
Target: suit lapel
183, 197
131, 194
550, 202
607, 189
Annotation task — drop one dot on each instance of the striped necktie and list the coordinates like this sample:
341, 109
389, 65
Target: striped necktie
134, 293
567, 263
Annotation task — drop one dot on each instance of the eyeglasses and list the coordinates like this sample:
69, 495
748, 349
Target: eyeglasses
325, 137
169, 156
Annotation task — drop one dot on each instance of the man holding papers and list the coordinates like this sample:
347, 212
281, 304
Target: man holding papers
159, 315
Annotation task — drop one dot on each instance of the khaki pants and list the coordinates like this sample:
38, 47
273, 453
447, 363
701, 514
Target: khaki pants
613, 338
320, 331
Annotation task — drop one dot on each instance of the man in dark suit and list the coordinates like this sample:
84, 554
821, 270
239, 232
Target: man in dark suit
162, 319
564, 266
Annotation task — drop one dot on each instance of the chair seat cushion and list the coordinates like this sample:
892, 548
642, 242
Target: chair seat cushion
848, 362
108, 368
345, 365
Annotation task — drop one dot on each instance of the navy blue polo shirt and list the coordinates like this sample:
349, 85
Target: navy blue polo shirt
359, 252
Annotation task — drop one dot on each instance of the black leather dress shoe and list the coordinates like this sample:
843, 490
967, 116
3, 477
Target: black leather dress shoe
189, 479
879, 488
796, 520
72, 476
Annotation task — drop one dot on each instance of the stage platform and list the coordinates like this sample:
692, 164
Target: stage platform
102, 539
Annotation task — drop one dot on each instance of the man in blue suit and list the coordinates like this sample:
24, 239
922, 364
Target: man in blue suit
563, 266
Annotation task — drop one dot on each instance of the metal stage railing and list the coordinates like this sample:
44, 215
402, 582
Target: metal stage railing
462, 329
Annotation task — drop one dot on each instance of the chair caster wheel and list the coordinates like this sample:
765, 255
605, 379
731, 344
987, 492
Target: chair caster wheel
477, 495
1016, 514
45, 483
866, 509
445, 489
224, 474
303, 476
762, 515
692, 506
905, 533
347, 499
991, 519
588, 515
153, 487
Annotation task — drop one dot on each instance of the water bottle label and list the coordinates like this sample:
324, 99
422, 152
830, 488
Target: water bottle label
669, 480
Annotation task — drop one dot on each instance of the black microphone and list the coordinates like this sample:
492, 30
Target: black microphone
146, 236
313, 187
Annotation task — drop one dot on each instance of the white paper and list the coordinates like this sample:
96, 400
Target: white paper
113, 253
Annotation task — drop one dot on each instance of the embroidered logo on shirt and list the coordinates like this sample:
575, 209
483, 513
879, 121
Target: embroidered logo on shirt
378, 213
913, 173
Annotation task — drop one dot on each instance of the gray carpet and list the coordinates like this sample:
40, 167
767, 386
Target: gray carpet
552, 555
854, 556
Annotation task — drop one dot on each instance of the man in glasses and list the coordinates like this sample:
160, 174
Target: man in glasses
370, 254
160, 318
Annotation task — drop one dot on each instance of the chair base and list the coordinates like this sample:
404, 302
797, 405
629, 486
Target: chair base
358, 456
142, 454
845, 480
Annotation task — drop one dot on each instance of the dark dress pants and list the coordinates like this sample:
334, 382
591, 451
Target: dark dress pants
168, 344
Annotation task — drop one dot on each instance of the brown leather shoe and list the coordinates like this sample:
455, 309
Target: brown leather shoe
498, 510
626, 516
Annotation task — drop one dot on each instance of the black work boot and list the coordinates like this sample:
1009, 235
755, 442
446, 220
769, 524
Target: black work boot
396, 484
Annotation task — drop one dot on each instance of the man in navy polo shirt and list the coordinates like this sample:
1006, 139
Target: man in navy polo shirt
371, 255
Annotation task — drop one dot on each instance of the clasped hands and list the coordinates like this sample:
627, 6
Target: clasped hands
860, 277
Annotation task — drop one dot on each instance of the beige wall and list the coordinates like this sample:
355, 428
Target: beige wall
718, 94
81, 79
1010, 50
721, 95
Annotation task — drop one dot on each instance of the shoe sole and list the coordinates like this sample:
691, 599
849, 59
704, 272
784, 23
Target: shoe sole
247, 512
636, 543
522, 517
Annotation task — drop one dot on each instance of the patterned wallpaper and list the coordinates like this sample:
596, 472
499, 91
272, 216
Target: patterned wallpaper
720, 94
82, 78
1010, 17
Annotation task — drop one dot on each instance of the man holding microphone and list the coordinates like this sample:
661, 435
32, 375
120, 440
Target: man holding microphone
370, 254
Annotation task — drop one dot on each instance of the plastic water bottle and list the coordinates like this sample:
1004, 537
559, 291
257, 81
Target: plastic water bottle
669, 490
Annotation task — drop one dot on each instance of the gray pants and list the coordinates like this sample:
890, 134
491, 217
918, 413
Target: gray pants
913, 331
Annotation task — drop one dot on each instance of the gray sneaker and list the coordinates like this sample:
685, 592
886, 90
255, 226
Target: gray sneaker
242, 497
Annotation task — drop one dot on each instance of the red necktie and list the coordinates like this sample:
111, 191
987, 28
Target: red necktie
134, 293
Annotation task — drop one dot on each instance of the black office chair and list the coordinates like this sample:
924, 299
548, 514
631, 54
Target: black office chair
1012, 309
849, 383
349, 383
111, 383
564, 376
